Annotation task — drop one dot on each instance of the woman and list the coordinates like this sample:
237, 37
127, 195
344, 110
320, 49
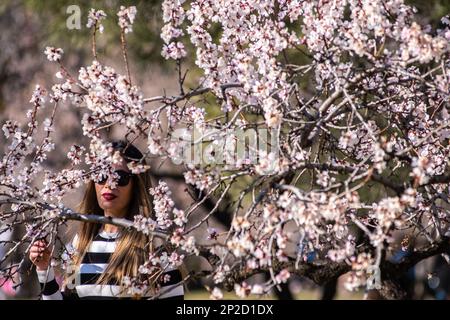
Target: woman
105, 255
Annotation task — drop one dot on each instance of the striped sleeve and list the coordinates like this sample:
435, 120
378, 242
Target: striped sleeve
49, 286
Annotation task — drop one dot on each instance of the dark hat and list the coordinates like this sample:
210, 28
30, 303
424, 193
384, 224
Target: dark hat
127, 150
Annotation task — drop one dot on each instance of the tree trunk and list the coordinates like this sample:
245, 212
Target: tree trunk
392, 290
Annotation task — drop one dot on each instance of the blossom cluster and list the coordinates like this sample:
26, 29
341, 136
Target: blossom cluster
94, 19
126, 18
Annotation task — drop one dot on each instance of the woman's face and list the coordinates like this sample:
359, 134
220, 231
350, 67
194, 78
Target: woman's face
114, 202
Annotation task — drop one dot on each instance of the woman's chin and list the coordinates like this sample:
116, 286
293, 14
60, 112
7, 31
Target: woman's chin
112, 208
106, 205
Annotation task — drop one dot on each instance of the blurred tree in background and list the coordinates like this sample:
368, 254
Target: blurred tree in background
145, 45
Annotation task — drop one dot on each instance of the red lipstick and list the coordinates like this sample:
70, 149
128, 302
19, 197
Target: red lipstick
108, 196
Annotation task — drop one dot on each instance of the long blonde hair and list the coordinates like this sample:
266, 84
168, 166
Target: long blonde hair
132, 247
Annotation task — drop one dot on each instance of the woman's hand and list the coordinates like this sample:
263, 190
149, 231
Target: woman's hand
40, 255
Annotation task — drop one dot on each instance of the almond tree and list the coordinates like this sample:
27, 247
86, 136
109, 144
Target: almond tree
345, 107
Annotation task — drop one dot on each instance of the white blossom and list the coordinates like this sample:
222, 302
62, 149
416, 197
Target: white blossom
216, 294
53, 54
94, 19
126, 18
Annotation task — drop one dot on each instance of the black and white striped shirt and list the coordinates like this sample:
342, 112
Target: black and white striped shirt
93, 265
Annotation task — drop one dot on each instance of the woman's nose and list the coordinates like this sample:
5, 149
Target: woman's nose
109, 185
